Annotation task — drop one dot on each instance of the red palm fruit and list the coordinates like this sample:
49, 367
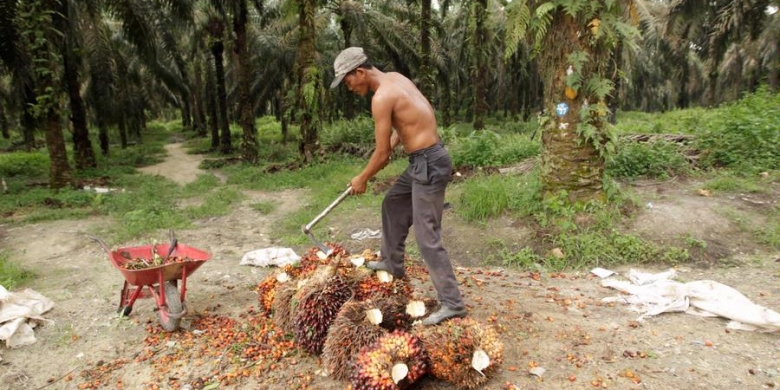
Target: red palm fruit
316, 310
376, 364
350, 332
265, 293
452, 347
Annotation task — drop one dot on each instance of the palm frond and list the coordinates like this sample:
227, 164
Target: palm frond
9, 36
518, 17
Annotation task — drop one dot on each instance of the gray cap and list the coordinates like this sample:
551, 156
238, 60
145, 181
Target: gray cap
349, 59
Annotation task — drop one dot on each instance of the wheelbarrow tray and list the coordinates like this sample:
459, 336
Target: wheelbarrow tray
151, 275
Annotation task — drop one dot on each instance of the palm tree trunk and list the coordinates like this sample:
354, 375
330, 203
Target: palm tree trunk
712, 88
197, 97
60, 175
245, 106
225, 146
309, 78
446, 102
217, 31
478, 72
211, 102
535, 96
4, 122
122, 131
683, 100
47, 105
82, 146
570, 163
349, 100
774, 68
103, 135
84, 155
615, 65
29, 122
283, 103
186, 112
426, 70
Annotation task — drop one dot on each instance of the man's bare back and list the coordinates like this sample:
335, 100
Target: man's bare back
412, 115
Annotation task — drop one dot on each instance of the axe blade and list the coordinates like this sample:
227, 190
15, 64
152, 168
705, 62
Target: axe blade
324, 248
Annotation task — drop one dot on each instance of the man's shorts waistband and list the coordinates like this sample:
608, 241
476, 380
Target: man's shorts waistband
424, 151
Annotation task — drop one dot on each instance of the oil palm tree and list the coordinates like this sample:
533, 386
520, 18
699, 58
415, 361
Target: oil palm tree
16, 58
246, 112
38, 28
67, 22
770, 49
309, 81
216, 27
574, 41
709, 28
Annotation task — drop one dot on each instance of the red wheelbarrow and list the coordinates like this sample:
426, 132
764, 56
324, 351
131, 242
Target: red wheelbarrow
143, 266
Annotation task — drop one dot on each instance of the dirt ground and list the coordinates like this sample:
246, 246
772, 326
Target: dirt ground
554, 321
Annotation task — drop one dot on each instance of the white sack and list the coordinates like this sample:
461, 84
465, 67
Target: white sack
653, 294
19, 314
270, 256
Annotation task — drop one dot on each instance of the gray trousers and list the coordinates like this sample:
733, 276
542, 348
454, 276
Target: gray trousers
417, 198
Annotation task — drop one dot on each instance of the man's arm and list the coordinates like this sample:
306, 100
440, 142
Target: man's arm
382, 110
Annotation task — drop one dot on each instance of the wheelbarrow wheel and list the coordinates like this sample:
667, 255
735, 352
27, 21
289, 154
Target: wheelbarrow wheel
124, 310
170, 320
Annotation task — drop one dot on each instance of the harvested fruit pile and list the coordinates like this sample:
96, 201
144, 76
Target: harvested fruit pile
364, 324
360, 325
141, 263
223, 350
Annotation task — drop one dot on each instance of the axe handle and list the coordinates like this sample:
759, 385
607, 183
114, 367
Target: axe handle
310, 225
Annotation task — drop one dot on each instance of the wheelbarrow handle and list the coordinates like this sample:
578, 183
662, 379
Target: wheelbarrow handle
307, 228
102, 244
174, 242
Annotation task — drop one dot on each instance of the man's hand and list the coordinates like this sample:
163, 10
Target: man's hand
358, 184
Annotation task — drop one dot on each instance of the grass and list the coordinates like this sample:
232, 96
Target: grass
486, 196
767, 234
12, 275
686, 121
264, 208
731, 182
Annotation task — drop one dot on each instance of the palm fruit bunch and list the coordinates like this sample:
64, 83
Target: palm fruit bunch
462, 352
265, 293
316, 280
394, 361
401, 311
394, 311
312, 260
316, 309
356, 326
282, 305
381, 284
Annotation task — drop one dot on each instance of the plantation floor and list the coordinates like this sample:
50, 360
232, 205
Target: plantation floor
555, 321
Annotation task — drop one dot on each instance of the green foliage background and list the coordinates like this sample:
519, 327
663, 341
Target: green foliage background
734, 141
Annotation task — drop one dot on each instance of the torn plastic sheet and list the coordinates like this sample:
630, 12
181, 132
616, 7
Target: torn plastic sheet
366, 233
273, 256
653, 294
20, 312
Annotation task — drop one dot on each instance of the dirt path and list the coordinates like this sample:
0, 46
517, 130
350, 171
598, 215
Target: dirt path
179, 166
553, 321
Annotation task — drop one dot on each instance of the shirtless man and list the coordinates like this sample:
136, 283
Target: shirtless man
417, 197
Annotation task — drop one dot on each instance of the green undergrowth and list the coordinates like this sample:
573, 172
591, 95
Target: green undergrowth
12, 275
735, 143
140, 204
567, 236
